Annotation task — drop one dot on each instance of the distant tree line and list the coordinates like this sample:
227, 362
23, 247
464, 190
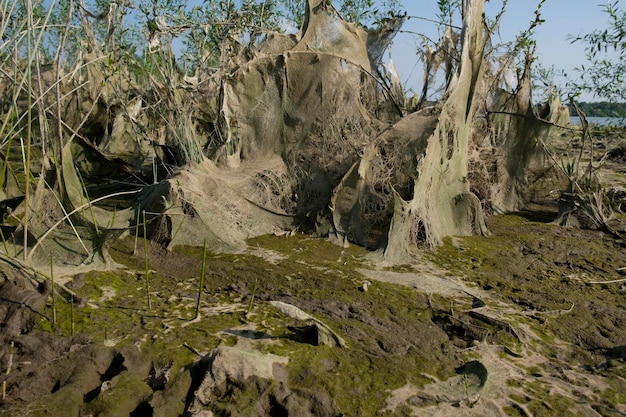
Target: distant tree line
601, 109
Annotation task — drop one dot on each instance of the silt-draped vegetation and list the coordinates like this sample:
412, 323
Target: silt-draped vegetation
214, 125
132, 134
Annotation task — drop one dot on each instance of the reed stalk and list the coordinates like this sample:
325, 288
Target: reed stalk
254, 289
145, 252
33, 43
5, 163
136, 233
29, 126
54, 309
180, 225
57, 60
71, 315
4, 242
201, 286
69, 220
8, 371
111, 225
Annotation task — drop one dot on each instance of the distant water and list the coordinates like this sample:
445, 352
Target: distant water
601, 121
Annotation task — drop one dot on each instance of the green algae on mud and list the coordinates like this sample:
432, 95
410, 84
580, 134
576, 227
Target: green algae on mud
314, 274
552, 276
392, 339
545, 269
523, 255
397, 335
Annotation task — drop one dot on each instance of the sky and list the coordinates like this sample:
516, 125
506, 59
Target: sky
554, 49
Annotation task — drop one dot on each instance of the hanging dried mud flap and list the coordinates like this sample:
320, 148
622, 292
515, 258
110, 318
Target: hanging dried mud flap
76, 199
342, 204
89, 223
519, 168
324, 334
469, 214
363, 202
205, 203
11, 196
433, 212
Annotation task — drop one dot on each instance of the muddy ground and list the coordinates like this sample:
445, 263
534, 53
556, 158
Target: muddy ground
527, 322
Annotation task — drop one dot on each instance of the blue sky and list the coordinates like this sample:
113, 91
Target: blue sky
562, 18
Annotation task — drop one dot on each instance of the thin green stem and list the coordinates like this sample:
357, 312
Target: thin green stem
4, 243
113, 217
178, 228
69, 220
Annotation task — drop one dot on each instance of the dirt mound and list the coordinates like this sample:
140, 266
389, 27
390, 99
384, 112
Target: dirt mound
257, 383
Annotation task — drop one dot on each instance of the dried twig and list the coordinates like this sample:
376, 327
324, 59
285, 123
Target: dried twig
607, 282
